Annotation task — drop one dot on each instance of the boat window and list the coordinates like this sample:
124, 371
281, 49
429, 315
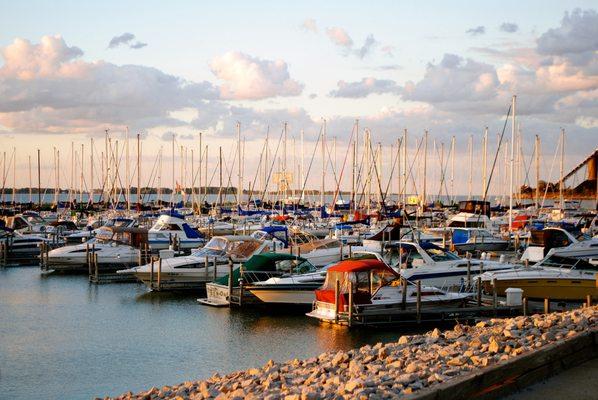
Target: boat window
567, 262
440, 255
217, 243
243, 249
35, 219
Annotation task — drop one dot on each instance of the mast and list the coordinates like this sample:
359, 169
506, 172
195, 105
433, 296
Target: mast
127, 169
172, 197
14, 175
302, 173
452, 169
470, 166
239, 156
57, 194
561, 180
511, 162
353, 174
323, 167
30, 181
139, 170
72, 184
220, 175
91, 173
425, 167
484, 165
284, 162
405, 168
39, 182
3, 173
200, 163
81, 177
537, 171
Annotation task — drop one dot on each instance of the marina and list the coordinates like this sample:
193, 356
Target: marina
296, 201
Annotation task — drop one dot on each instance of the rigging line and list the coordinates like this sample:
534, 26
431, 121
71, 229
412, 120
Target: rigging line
343, 169
273, 163
556, 151
311, 162
258, 172
394, 164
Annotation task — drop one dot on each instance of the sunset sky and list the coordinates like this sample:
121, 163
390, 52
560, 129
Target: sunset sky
69, 70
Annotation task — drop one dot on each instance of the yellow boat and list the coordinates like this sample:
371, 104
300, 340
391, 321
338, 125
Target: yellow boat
555, 277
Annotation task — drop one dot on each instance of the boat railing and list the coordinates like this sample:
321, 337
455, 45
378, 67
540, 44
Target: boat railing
259, 276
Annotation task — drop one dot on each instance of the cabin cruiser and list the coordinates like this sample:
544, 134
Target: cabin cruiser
20, 245
319, 252
116, 248
433, 265
190, 272
555, 277
375, 289
476, 239
474, 214
295, 285
86, 234
269, 271
172, 227
563, 242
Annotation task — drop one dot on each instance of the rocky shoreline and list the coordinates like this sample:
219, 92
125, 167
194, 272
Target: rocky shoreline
391, 370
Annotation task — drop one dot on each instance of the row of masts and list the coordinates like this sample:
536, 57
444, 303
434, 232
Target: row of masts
279, 181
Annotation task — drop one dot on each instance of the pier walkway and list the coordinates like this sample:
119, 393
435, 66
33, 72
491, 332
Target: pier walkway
579, 383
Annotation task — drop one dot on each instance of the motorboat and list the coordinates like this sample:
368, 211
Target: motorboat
375, 289
319, 252
20, 245
295, 285
90, 232
202, 265
116, 248
170, 228
563, 242
260, 268
435, 266
555, 277
476, 239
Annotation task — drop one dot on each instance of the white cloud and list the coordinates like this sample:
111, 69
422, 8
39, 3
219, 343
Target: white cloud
365, 87
339, 37
46, 88
247, 77
578, 33
310, 25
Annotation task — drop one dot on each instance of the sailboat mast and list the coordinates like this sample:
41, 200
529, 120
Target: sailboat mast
537, 171
452, 169
239, 155
470, 166
484, 162
561, 181
39, 181
30, 181
405, 168
91, 172
139, 171
323, 167
511, 162
425, 167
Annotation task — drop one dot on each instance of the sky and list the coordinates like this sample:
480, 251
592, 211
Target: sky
70, 70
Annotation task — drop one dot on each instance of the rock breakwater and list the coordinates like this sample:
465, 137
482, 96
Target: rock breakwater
390, 370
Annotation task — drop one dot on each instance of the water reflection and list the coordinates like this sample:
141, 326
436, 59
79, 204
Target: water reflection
61, 337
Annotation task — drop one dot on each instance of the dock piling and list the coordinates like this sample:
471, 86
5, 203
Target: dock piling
337, 286
159, 274
230, 281
546, 305
589, 300
404, 293
418, 304
350, 303
479, 297
215, 265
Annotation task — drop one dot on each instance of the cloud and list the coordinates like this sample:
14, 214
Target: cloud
126, 39
478, 30
577, 34
364, 88
509, 27
47, 88
250, 78
309, 25
367, 47
388, 50
454, 80
339, 37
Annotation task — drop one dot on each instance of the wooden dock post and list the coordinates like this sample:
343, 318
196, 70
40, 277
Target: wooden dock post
87, 259
337, 289
215, 265
481, 267
468, 273
524, 305
418, 305
350, 302
152, 274
230, 281
494, 296
240, 285
479, 291
404, 293
159, 274
97, 268
589, 300
206, 267
546, 305
2, 254
341, 247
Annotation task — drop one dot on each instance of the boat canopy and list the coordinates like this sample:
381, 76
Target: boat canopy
260, 264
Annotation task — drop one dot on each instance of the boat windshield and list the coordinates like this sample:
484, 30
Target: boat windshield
243, 248
438, 255
217, 243
295, 266
163, 226
35, 219
556, 261
208, 252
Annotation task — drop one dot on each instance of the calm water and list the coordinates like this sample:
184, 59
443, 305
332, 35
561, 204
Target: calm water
63, 338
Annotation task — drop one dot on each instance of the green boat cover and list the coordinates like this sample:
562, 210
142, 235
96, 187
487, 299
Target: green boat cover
265, 262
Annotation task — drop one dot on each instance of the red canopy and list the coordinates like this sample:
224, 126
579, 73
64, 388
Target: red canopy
361, 265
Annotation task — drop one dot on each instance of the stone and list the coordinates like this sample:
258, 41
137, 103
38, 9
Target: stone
411, 367
404, 339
